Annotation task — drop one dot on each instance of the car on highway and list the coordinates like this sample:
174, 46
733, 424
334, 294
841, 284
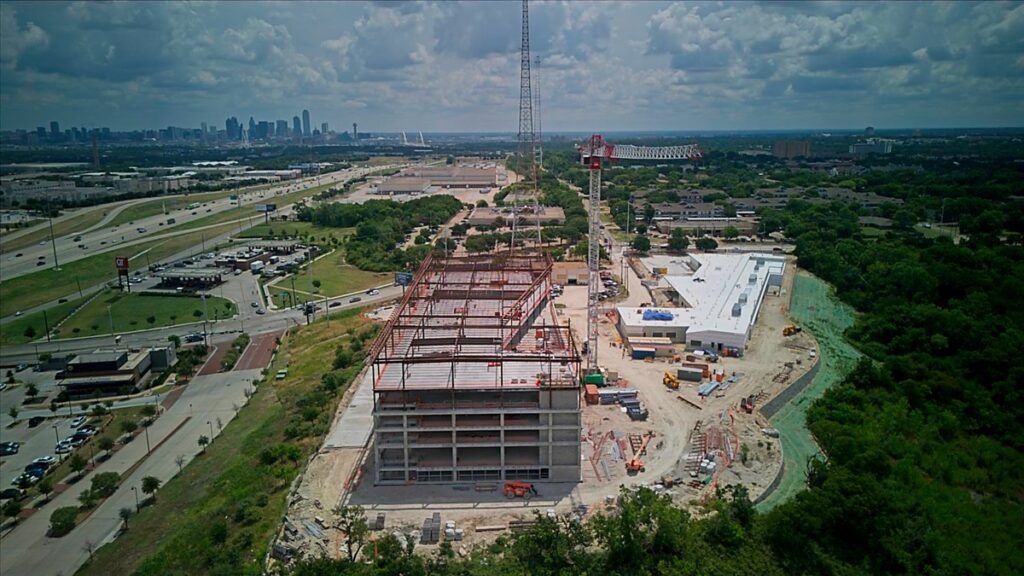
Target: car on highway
47, 460
62, 300
78, 422
41, 263
334, 304
355, 299
11, 493
42, 243
9, 448
18, 313
193, 337
261, 311
35, 421
77, 239
140, 230
18, 255
373, 292
254, 304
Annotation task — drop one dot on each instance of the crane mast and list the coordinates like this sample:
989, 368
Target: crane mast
593, 154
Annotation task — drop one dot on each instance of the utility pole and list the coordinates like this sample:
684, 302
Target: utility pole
46, 323
53, 240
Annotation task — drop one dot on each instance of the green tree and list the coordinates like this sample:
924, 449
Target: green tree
45, 487
62, 521
13, 412
678, 242
31, 390
352, 523
30, 332
12, 508
730, 232
77, 464
104, 484
174, 339
641, 244
150, 484
203, 442
151, 319
105, 443
128, 426
706, 244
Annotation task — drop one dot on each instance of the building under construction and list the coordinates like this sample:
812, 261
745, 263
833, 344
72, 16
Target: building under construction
475, 379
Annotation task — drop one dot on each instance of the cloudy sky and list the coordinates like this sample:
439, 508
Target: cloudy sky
452, 66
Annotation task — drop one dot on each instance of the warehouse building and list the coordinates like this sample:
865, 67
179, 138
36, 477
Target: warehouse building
717, 299
475, 378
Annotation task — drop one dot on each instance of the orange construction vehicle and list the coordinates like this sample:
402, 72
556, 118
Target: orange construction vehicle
790, 329
519, 490
635, 464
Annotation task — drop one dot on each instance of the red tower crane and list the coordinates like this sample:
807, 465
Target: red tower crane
593, 155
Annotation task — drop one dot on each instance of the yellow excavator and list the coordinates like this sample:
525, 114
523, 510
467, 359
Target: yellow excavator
670, 381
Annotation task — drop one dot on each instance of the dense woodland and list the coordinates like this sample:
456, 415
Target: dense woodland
923, 438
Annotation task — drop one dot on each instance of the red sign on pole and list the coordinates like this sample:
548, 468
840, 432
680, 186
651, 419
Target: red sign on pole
121, 262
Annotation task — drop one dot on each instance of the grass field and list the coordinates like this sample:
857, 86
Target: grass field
303, 230
218, 515
871, 232
76, 223
336, 278
131, 312
817, 310
47, 285
13, 332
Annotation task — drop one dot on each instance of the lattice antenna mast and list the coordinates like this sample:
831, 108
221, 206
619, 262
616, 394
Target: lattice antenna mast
527, 137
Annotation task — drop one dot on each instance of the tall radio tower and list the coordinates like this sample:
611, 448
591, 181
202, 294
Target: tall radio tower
527, 138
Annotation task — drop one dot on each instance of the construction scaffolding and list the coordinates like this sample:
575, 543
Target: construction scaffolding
474, 377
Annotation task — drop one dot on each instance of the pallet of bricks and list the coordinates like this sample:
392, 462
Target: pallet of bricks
431, 529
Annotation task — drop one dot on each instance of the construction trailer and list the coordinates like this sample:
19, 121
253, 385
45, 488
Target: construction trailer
475, 378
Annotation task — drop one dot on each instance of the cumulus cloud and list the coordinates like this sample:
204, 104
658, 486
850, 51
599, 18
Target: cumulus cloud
455, 65
15, 39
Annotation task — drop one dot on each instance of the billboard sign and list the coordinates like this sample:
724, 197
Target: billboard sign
266, 207
121, 263
403, 278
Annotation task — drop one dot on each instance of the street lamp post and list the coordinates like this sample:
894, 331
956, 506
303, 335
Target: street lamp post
211, 428
147, 439
136, 492
56, 434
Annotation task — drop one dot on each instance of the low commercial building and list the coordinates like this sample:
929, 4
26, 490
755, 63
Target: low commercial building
570, 273
718, 298
400, 185
18, 192
191, 278
277, 246
710, 226
491, 215
108, 372
459, 176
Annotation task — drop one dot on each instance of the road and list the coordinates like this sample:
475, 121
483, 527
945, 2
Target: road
27, 549
100, 238
256, 324
25, 264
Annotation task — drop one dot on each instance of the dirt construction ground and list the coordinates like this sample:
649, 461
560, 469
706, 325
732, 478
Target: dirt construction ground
769, 364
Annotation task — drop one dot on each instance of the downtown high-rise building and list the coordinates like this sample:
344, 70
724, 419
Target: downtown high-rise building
232, 128
306, 128
296, 128
282, 129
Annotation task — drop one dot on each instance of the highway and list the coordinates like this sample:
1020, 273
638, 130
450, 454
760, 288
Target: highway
101, 238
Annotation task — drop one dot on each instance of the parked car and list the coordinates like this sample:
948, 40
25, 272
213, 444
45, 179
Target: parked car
11, 493
88, 429
261, 311
24, 480
9, 448
63, 448
21, 367
47, 460
78, 421
35, 421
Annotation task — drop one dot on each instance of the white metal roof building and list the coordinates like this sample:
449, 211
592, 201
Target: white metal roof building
718, 302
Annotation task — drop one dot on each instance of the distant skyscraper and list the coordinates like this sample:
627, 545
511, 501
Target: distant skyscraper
296, 128
323, 128
306, 128
282, 128
869, 131
232, 128
54, 130
355, 131
252, 128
